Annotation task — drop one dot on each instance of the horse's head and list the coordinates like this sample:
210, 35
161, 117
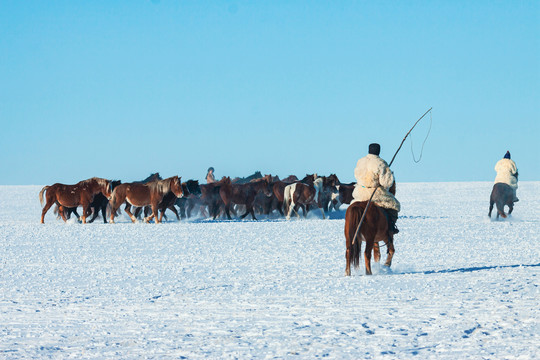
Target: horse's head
309, 179
331, 180
105, 187
115, 183
265, 186
194, 187
185, 189
176, 186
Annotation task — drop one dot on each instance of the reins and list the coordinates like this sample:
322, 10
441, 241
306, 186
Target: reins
391, 162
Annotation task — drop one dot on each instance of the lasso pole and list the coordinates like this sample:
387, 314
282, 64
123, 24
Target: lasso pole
393, 158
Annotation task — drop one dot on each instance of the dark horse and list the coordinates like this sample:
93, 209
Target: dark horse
244, 194
68, 196
373, 229
254, 176
140, 195
210, 197
193, 192
501, 195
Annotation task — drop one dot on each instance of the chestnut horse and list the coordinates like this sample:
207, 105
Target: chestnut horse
244, 194
501, 195
373, 229
100, 202
69, 196
189, 188
140, 195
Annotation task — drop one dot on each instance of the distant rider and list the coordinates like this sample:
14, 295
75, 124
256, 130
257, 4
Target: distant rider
372, 173
507, 173
210, 176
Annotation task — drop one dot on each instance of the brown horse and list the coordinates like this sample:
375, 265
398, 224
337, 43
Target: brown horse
244, 194
501, 195
100, 202
69, 196
210, 197
373, 229
189, 188
140, 195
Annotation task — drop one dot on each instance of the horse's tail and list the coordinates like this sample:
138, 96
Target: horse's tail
287, 199
352, 219
41, 194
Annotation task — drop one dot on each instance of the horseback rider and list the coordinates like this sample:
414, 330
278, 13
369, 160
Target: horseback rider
507, 173
372, 173
210, 176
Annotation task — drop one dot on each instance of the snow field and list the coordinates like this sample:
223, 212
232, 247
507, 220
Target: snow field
461, 286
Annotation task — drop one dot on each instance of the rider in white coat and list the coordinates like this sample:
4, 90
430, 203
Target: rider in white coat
372, 173
507, 173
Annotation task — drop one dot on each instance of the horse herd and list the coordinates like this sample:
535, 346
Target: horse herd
254, 194
154, 195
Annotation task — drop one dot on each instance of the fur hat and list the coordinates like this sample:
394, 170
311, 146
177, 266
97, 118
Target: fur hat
507, 155
374, 149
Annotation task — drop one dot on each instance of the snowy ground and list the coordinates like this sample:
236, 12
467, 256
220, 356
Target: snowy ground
461, 286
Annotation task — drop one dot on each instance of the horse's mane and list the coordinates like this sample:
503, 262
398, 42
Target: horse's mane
99, 181
224, 181
162, 186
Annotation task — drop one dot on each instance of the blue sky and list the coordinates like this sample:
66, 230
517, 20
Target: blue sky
125, 88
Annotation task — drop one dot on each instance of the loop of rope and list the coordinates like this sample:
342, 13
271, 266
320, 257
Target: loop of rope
427, 135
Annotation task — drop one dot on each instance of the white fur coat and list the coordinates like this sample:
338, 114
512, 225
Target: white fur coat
373, 172
506, 173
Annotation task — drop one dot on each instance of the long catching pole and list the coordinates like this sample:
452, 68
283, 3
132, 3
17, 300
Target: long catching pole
393, 158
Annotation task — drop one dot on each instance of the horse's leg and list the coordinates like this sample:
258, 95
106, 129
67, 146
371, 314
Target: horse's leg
510, 208
389, 251
127, 210
280, 207
173, 209
104, 212
322, 212
491, 202
228, 211
376, 252
85, 207
46, 208
155, 213
161, 214
62, 211
367, 255
348, 262
304, 209
95, 214
73, 211
249, 208
500, 209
